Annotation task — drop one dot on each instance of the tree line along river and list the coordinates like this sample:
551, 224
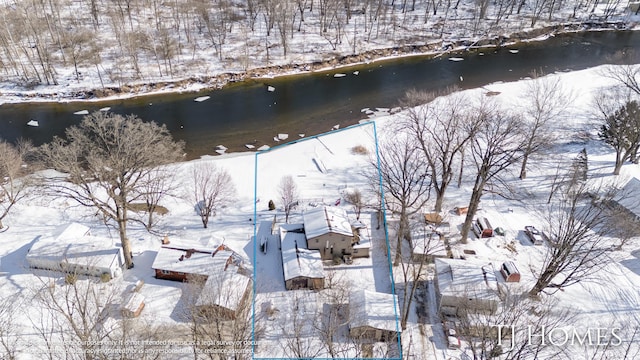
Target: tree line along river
254, 111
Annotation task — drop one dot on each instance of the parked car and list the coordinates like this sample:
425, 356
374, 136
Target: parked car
536, 236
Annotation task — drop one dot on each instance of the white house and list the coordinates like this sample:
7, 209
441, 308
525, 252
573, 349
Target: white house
373, 315
466, 285
180, 259
73, 249
328, 230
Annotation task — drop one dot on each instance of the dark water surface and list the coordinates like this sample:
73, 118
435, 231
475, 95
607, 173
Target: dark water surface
312, 103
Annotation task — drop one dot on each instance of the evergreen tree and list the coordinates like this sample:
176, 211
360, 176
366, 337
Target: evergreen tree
621, 130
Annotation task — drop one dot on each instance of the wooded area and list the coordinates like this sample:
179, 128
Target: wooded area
117, 42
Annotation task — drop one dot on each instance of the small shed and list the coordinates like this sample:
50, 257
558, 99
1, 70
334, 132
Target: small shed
433, 218
302, 267
510, 272
373, 315
132, 305
225, 294
483, 227
466, 285
427, 244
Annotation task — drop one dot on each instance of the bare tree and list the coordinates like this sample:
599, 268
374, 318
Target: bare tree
496, 146
158, 185
621, 131
288, 192
106, 163
211, 189
405, 182
332, 328
577, 221
77, 309
14, 182
426, 240
441, 132
501, 334
355, 198
543, 103
213, 326
8, 332
79, 46
299, 326
626, 75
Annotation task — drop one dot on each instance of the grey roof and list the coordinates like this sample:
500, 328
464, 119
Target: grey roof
326, 219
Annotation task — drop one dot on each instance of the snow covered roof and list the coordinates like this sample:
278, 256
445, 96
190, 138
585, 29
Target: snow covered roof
326, 219
461, 278
224, 289
132, 302
297, 260
426, 241
629, 196
198, 261
72, 245
373, 309
71, 231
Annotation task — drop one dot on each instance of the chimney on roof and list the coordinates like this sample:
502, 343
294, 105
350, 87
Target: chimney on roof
165, 240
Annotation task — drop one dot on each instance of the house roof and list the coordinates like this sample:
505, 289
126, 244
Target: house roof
373, 309
224, 289
460, 278
72, 245
629, 196
196, 261
426, 241
297, 260
71, 231
326, 219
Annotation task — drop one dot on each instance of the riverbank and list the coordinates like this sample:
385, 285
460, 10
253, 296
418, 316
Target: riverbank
197, 84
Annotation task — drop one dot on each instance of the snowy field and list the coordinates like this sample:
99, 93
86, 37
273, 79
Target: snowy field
324, 168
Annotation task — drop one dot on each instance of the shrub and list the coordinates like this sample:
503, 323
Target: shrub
71, 279
105, 277
359, 150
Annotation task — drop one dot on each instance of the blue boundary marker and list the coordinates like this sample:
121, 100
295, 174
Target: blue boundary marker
386, 234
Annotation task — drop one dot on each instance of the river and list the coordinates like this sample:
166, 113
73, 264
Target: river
247, 112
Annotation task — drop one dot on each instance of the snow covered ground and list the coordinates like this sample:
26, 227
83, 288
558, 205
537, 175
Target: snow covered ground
324, 168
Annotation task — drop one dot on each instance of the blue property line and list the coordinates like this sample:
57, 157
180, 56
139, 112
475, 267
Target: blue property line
386, 236
255, 223
386, 232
